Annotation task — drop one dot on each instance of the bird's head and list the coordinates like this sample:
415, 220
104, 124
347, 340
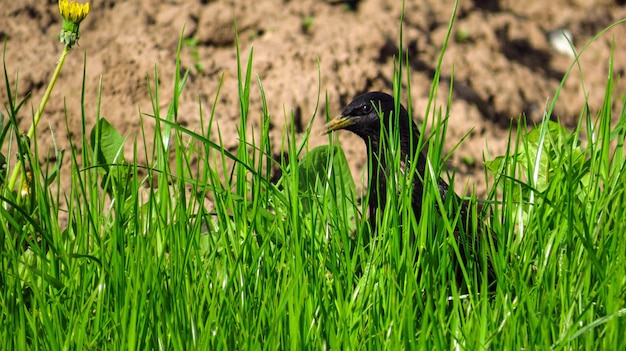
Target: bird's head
363, 116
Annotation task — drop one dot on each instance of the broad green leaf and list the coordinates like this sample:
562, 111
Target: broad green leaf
109, 143
108, 146
323, 169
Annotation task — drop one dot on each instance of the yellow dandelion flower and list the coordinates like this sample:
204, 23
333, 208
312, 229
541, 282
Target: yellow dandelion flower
73, 13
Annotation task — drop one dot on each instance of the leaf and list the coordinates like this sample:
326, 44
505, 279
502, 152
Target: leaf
324, 169
494, 165
108, 146
107, 143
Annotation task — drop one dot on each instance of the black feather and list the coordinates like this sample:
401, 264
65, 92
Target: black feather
363, 116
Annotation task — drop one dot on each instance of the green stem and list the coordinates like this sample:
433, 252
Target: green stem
17, 171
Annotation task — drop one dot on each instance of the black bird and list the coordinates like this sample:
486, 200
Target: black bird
363, 116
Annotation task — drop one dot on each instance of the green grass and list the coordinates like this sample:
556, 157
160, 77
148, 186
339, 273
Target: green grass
286, 265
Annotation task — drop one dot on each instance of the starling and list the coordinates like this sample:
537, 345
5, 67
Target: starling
364, 117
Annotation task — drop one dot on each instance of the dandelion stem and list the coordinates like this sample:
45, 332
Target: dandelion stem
17, 171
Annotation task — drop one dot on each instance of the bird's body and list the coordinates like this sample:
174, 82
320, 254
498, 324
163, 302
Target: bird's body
365, 116
362, 117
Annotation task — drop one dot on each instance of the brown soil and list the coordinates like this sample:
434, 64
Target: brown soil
503, 63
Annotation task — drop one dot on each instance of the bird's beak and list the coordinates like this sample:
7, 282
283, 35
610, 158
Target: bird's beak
339, 122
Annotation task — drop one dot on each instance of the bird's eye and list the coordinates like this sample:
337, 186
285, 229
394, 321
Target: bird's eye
365, 109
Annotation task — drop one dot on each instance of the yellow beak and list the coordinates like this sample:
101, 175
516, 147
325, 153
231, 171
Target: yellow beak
339, 122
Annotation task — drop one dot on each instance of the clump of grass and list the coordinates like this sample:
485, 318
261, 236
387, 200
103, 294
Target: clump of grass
286, 265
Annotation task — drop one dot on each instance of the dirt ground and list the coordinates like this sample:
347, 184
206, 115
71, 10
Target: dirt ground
501, 57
